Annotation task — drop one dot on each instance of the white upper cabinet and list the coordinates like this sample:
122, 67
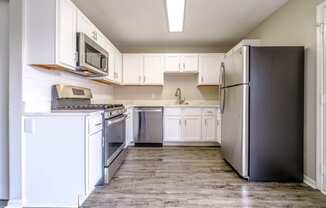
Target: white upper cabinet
189, 63
153, 70
84, 25
172, 63
67, 33
51, 33
209, 69
181, 63
118, 66
132, 65
142, 69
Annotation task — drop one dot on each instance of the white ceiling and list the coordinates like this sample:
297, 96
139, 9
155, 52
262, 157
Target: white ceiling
143, 23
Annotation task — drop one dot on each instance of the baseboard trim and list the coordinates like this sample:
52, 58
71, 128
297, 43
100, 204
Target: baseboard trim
192, 144
14, 204
309, 181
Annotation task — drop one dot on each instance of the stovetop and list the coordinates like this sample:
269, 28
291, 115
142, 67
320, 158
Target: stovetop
91, 107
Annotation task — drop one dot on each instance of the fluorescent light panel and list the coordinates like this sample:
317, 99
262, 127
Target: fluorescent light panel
175, 11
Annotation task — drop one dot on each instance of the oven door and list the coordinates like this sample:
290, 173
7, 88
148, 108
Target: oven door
114, 138
92, 58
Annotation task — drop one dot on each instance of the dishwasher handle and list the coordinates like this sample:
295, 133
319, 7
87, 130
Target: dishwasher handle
148, 110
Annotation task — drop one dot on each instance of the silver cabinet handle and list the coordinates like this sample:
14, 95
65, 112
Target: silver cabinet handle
144, 79
148, 110
205, 122
179, 66
185, 122
98, 124
202, 79
179, 122
184, 66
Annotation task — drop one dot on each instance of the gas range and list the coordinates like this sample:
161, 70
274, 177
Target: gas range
72, 98
69, 98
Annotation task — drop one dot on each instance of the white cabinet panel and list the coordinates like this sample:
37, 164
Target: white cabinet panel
153, 70
95, 159
132, 69
190, 63
209, 128
172, 129
129, 127
209, 69
118, 67
172, 63
192, 128
67, 33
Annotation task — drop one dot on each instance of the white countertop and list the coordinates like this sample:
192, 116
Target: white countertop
175, 105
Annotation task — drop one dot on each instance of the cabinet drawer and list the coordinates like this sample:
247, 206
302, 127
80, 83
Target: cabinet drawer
172, 112
95, 124
192, 112
209, 111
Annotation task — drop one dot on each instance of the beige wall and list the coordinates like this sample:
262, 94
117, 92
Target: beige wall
188, 85
294, 24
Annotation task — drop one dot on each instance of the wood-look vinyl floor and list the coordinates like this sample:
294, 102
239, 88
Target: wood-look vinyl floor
193, 177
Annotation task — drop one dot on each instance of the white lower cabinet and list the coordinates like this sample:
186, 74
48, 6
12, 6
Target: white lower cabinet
209, 128
95, 155
129, 126
191, 131
191, 125
172, 127
62, 159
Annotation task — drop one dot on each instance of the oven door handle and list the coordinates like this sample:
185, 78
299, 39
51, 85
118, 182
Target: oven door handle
116, 120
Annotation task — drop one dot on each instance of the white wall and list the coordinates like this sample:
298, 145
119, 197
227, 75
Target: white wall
188, 85
4, 96
294, 24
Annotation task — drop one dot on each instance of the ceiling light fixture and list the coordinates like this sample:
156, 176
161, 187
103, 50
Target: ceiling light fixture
175, 11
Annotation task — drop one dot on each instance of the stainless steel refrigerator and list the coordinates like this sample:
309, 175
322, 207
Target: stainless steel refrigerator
262, 100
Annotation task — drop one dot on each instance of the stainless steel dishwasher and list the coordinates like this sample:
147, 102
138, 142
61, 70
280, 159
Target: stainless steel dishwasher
148, 126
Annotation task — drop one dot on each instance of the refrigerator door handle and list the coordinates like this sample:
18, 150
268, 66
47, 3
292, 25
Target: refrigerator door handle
222, 74
222, 98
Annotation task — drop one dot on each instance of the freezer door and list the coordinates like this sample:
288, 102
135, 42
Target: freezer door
237, 67
235, 128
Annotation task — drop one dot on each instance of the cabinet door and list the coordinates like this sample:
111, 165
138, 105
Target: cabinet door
153, 70
209, 69
190, 63
129, 127
95, 159
172, 128
192, 129
67, 25
172, 63
118, 67
132, 69
209, 128
84, 25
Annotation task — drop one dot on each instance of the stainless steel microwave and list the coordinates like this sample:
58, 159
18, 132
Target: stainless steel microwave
92, 58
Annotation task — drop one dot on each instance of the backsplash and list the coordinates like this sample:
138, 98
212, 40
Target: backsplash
187, 84
37, 85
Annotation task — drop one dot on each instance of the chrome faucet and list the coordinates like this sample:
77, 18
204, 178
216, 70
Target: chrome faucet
179, 95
